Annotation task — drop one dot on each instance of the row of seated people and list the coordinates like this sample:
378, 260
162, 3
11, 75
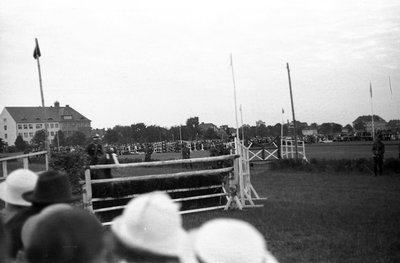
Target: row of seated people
41, 223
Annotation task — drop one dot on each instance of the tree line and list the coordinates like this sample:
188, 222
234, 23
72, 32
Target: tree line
191, 131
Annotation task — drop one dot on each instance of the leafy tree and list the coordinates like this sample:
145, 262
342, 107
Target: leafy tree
138, 132
59, 139
349, 128
394, 125
192, 124
112, 136
329, 128
20, 144
39, 138
2, 145
359, 125
73, 164
155, 134
77, 138
210, 134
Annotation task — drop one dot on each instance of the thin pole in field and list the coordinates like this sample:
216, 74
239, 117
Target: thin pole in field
391, 97
234, 93
372, 112
241, 118
294, 118
283, 112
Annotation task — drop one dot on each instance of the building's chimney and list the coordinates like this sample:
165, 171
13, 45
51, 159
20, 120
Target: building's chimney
67, 105
56, 104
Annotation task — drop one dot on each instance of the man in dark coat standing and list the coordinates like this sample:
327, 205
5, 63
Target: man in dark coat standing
378, 151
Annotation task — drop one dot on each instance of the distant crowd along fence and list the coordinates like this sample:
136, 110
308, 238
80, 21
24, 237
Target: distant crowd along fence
228, 180
272, 151
163, 147
25, 161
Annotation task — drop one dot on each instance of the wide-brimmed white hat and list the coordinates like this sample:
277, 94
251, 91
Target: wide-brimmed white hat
18, 182
226, 240
151, 222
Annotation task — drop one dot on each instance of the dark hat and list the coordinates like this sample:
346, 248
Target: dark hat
51, 187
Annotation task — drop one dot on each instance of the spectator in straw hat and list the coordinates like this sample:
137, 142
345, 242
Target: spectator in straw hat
230, 241
150, 230
11, 190
63, 234
52, 187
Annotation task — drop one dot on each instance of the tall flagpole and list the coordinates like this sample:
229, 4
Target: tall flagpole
282, 124
294, 118
234, 92
241, 119
372, 112
237, 140
36, 55
391, 97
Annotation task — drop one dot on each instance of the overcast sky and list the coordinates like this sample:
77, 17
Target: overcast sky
162, 62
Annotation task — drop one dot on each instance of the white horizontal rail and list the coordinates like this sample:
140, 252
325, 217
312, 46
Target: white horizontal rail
161, 176
112, 208
161, 163
167, 191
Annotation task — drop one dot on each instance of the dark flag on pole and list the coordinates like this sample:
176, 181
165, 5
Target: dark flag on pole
36, 52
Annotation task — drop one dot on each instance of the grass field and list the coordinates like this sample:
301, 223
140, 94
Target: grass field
312, 217
319, 217
346, 150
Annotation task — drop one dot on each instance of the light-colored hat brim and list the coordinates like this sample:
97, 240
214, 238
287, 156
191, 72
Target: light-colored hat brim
138, 242
7, 197
269, 258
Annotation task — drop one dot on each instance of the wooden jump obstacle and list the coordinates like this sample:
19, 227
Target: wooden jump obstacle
234, 189
25, 161
248, 193
288, 149
263, 153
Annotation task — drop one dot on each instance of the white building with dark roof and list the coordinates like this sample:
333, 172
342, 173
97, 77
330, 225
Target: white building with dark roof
25, 121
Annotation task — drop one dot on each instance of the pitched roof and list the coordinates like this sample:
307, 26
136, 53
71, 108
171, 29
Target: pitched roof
35, 114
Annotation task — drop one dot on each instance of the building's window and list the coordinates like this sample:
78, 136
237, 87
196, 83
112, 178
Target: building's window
67, 117
47, 125
5, 127
30, 126
5, 119
56, 125
51, 125
31, 134
25, 134
20, 126
25, 126
38, 126
5, 135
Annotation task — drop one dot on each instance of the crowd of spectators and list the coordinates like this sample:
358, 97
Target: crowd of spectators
41, 223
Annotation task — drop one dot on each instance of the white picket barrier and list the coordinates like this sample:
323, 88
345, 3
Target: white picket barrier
228, 187
288, 149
